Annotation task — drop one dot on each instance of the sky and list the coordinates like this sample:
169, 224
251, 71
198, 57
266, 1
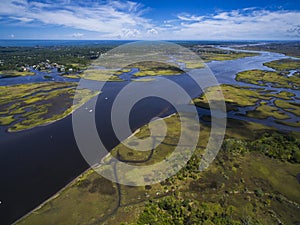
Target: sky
150, 20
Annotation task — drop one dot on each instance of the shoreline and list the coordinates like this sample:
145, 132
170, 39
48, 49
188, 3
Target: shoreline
57, 194
98, 165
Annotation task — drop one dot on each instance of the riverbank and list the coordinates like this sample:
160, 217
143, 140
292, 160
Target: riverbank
230, 176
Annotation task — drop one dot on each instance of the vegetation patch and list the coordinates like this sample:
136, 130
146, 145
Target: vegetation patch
225, 56
274, 145
192, 63
262, 103
96, 75
70, 57
282, 95
264, 111
6, 120
101, 75
279, 146
78, 202
149, 68
234, 96
14, 73
209, 53
269, 78
288, 106
238, 188
284, 64
173, 211
287, 123
26, 106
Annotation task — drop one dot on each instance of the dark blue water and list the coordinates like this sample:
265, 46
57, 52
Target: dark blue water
38, 162
39, 76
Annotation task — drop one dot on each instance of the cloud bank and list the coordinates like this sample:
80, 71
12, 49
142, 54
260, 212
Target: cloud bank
242, 24
127, 20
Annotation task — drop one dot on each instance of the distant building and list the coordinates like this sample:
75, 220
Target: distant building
61, 69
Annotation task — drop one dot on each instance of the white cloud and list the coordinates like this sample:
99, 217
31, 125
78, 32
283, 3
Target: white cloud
22, 19
128, 6
152, 31
12, 35
108, 19
187, 17
125, 20
129, 34
249, 23
77, 35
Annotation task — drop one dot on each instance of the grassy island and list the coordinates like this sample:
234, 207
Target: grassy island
14, 73
234, 97
25, 106
269, 78
207, 57
284, 64
149, 68
259, 101
97, 75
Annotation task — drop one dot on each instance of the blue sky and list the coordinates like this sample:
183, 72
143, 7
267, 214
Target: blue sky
150, 19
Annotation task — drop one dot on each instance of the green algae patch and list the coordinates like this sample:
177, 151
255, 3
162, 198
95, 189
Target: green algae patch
284, 64
26, 106
266, 78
